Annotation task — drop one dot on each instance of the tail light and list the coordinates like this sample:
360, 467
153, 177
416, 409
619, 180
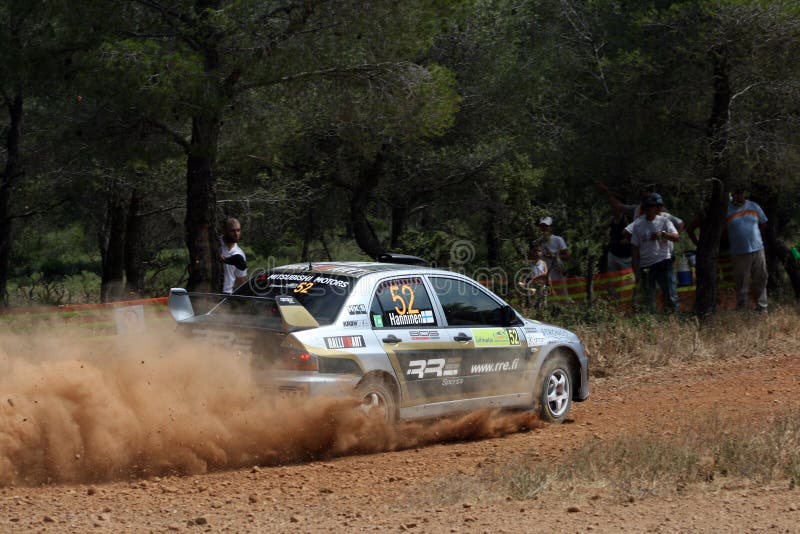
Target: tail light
298, 360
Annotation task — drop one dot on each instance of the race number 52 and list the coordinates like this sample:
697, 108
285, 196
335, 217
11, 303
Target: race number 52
403, 297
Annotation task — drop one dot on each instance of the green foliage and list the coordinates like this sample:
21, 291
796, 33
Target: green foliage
40, 289
433, 246
455, 121
55, 254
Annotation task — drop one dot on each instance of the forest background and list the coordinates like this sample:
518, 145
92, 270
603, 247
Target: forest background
341, 129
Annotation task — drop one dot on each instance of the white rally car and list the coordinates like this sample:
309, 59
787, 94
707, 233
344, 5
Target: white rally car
413, 342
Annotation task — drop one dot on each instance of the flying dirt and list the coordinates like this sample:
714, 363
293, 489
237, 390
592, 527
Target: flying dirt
77, 411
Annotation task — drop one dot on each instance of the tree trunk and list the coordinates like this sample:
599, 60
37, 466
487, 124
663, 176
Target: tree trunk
359, 201
769, 203
713, 220
134, 266
308, 234
779, 257
492, 231
10, 173
113, 252
200, 225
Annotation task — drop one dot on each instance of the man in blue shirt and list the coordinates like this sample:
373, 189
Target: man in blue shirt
744, 223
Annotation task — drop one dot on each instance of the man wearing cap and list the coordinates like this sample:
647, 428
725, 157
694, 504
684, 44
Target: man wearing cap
744, 224
554, 249
652, 236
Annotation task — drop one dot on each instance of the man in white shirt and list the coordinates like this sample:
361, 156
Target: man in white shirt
652, 236
234, 268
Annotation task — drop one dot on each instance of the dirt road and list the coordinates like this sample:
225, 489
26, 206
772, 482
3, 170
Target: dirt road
418, 489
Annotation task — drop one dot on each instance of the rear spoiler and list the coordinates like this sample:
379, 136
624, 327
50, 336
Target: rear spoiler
294, 316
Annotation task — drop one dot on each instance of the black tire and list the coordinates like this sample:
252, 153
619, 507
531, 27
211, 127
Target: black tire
375, 394
554, 387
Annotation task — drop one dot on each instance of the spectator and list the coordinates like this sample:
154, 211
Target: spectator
618, 250
554, 249
631, 211
535, 283
634, 211
652, 236
538, 274
234, 268
744, 223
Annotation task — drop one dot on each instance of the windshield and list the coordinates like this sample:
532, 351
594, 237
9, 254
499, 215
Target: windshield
321, 294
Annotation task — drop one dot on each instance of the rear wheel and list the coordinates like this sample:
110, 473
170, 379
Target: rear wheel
555, 389
377, 398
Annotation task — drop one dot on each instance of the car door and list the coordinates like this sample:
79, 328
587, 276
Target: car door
493, 357
407, 326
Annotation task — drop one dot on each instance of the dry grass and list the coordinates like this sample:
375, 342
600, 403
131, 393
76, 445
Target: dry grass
621, 345
703, 454
630, 467
642, 465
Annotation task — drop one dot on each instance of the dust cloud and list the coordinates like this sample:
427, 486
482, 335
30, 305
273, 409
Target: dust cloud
77, 411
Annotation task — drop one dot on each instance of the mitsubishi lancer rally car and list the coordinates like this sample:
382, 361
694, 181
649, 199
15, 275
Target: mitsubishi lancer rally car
412, 342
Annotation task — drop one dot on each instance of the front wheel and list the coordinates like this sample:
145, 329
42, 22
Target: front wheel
377, 398
555, 389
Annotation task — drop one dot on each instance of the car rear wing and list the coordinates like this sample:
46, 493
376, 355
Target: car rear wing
182, 305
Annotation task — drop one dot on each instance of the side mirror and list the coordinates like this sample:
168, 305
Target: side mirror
509, 316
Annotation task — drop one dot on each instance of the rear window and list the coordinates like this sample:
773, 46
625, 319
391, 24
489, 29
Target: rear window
322, 294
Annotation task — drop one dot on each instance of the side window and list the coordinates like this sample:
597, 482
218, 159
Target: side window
401, 302
466, 304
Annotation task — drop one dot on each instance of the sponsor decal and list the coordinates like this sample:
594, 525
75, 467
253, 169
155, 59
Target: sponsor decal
341, 269
331, 281
421, 317
452, 381
357, 309
345, 342
286, 300
495, 367
291, 277
452, 367
534, 337
387, 284
422, 335
234, 341
351, 324
556, 333
490, 337
303, 279
377, 320
436, 367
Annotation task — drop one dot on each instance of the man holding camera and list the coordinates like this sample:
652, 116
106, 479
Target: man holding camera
652, 236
